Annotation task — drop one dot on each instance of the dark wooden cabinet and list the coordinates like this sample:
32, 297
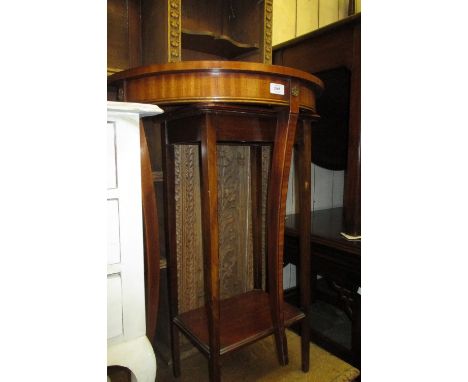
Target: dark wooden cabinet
338, 262
144, 32
333, 54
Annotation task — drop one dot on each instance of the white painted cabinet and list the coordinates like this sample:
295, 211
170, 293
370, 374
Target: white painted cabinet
127, 344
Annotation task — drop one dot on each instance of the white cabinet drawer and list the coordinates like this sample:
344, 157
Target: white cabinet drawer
114, 306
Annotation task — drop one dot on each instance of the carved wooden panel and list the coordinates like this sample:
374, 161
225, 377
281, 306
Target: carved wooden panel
188, 233
236, 263
234, 214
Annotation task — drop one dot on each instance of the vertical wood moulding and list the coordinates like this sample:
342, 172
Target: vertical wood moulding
268, 32
266, 160
189, 246
178, 207
174, 25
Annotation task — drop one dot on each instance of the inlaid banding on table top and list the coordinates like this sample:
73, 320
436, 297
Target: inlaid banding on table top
217, 81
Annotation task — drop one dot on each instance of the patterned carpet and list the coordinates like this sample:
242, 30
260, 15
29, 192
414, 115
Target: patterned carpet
258, 362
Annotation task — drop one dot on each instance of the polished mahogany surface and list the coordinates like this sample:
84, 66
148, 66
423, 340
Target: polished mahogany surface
217, 81
253, 104
326, 229
243, 319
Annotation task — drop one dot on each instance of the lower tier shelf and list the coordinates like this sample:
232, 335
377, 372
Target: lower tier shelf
244, 319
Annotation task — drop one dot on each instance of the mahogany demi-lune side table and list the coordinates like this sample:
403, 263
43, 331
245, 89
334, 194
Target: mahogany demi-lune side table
228, 102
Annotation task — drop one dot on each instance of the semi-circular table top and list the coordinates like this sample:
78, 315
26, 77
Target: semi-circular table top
217, 81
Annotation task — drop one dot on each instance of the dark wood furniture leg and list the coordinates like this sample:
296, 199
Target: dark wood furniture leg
171, 246
304, 171
276, 207
209, 202
352, 186
151, 236
256, 196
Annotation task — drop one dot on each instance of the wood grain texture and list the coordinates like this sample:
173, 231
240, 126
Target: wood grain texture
151, 236
244, 319
276, 208
117, 35
209, 199
123, 35
304, 185
206, 125
154, 15
215, 81
256, 198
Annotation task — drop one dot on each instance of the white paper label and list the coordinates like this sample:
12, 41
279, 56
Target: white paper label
276, 88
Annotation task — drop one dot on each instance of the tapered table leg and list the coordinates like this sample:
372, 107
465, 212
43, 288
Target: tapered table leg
209, 202
256, 196
276, 208
304, 167
171, 246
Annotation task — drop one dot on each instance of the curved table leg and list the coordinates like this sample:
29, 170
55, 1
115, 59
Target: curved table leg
276, 208
136, 355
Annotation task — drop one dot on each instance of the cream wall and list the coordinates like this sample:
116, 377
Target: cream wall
293, 18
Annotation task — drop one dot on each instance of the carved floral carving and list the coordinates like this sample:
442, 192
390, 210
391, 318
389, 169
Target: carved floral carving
267, 31
188, 228
235, 241
235, 253
174, 31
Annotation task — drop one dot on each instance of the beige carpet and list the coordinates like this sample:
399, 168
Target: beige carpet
258, 362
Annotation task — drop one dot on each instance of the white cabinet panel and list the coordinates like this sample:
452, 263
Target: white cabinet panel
111, 156
127, 344
114, 306
113, 232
